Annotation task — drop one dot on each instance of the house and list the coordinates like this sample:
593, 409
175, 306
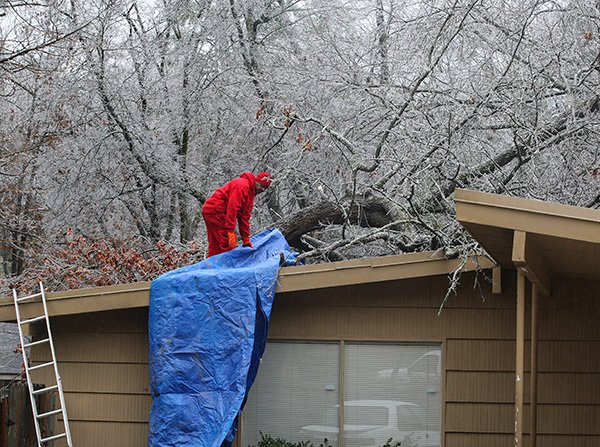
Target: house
512, 358
10, 361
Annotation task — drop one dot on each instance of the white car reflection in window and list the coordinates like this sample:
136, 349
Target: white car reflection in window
427, 368
373, 422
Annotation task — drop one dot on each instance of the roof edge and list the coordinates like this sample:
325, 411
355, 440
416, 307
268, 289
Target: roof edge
530, 205
290, 279
373, 270
530, 215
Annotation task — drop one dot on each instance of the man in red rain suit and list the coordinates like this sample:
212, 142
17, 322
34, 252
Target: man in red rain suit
229, 204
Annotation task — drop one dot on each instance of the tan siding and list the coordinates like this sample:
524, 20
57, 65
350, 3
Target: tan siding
113, 434
319, 322
103, 362
488, 387
419, 292
565, 316
121, 321
391, 322
101, 377
504, 440
108, 407
98, 348
480, 418
561, 323
489, 324
481, 355
402, 310
569, 419
569, 388
129, 321
479, 440
569, 356
553, 388
568, 441
497, 440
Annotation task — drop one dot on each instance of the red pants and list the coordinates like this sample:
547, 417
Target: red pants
218, 241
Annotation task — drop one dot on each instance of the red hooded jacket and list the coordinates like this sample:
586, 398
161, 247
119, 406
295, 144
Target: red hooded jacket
234, 201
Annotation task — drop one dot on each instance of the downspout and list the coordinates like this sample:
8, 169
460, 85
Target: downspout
341, 392
531, 266
520, 357
533, 381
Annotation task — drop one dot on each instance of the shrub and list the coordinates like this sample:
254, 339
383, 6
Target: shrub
269, 441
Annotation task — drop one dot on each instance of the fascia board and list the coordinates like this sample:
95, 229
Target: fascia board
532, 216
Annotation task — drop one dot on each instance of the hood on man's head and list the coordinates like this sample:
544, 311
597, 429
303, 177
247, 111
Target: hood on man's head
264, 178
248, 176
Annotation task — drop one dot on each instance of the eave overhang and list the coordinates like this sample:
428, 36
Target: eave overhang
544, 239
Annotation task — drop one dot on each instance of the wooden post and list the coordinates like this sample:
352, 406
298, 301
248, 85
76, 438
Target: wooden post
533, 390
520, 357
17, 418
19, 413
341, 392
4, 422
237, 439
496, 280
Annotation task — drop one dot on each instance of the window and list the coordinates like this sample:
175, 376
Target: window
365, 415
405, 379
296, 387
389, 391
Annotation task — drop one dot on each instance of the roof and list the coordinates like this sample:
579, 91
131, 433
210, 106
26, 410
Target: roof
545, 239
290, 279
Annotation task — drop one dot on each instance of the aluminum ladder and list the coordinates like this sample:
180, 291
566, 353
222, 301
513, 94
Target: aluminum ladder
57, 386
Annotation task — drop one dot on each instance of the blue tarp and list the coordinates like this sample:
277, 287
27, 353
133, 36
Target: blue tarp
207, 332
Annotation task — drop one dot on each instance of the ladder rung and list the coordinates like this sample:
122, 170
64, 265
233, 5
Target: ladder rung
52, 438
33, 320
45, 390
28, 297
43, 365
33, 343
50, 413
